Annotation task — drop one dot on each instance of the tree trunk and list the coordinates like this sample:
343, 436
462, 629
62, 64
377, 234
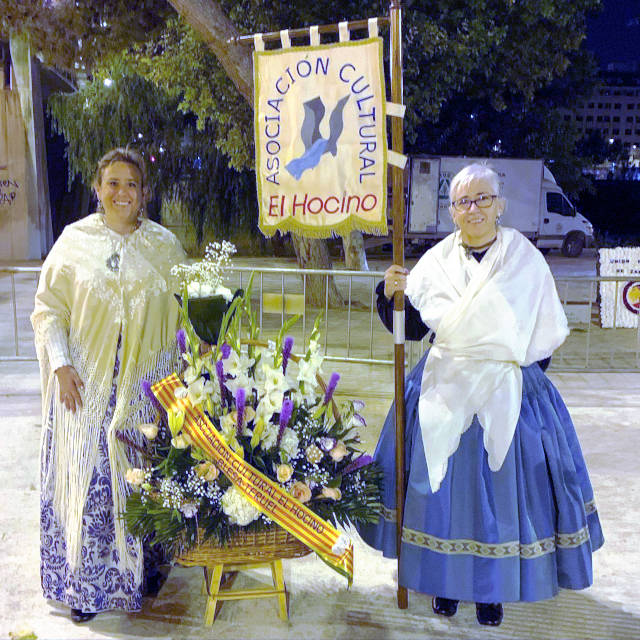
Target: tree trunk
210, 22
355, 257
314, 254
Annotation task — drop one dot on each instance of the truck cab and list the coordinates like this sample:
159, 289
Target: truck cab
562, 227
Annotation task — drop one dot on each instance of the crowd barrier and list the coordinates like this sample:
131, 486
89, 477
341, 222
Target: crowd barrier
351, 330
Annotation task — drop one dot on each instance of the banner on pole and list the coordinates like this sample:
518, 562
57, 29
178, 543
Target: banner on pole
320, 136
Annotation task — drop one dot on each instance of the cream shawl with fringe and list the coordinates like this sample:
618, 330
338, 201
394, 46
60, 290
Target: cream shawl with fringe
490, 319
78, 295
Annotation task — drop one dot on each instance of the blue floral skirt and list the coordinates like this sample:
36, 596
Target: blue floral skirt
101, 583
518, 534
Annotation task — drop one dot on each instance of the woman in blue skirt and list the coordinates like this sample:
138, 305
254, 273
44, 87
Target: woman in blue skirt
498, 504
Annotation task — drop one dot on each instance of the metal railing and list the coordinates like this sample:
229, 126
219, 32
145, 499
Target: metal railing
352, 331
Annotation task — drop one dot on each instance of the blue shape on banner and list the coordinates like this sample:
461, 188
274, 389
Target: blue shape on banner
316, 146
308, 160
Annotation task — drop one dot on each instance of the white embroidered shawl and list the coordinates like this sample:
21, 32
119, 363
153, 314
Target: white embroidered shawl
80, 298
490, 319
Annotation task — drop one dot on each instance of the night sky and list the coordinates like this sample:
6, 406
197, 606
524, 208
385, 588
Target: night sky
614, 34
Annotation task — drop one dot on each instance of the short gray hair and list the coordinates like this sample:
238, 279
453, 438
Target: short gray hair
475, 171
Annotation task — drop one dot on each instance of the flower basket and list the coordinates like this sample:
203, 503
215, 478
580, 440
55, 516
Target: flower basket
244, 546
271, 409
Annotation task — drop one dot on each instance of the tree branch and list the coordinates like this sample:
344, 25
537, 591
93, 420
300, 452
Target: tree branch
211, 23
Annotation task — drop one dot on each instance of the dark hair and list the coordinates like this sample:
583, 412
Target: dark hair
130, 156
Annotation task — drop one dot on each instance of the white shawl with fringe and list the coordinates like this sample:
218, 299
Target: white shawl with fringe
82, 300
491, 318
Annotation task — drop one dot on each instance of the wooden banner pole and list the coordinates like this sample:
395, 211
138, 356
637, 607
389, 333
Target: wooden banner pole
395, 14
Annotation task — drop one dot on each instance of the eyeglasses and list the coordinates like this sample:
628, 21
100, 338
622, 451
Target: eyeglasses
464, 204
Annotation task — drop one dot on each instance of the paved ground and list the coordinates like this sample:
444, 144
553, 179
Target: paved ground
605, 409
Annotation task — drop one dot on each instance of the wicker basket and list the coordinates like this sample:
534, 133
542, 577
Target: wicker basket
262, 546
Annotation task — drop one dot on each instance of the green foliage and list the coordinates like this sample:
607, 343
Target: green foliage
504, 57
183, 66
76, 34
500, 52
119, 107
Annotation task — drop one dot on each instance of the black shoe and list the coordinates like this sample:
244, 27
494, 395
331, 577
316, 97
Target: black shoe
444, 606
153, 584
489, 613
78, 616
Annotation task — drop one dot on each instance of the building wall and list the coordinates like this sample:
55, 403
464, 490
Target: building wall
613, 110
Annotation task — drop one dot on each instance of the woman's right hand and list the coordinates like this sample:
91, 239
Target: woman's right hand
70, 387
395, 279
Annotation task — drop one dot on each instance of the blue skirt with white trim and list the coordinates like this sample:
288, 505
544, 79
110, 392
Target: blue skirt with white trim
518, 534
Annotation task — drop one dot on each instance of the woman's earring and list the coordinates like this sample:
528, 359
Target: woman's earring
100, 208
140, 213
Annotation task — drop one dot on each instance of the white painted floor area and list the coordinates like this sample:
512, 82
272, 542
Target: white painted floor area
605, 408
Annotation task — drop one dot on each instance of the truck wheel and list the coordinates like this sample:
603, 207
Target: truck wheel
573, 244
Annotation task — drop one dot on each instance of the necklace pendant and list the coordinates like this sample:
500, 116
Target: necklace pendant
113, 262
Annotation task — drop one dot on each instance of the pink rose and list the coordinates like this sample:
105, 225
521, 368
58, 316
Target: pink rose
300, 491
333, 493
339, 451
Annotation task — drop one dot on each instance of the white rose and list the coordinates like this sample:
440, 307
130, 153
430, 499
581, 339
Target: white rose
223, 291
193, 289
135, 477
149, 430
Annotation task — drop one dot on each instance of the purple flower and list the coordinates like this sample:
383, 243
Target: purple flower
286, 352
240, 400
285, 416
225, 350
220, 374
181, 337
356, 464
146, 388
333, 383
326, 443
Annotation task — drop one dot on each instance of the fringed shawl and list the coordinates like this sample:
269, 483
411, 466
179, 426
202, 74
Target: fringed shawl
490, 319
95, 306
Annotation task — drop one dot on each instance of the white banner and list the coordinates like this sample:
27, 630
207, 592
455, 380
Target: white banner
620, 301
321, 142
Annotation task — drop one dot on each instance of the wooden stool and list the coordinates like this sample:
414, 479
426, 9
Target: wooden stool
217, 593
242, 551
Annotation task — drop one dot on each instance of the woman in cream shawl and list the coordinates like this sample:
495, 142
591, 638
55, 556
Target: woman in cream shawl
104, 320
498, 505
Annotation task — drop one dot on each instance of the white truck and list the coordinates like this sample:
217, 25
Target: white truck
536, 205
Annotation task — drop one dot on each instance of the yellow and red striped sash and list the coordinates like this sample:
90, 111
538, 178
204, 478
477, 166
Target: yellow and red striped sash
267, 496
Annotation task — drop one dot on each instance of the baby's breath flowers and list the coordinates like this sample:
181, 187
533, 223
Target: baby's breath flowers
204, 278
